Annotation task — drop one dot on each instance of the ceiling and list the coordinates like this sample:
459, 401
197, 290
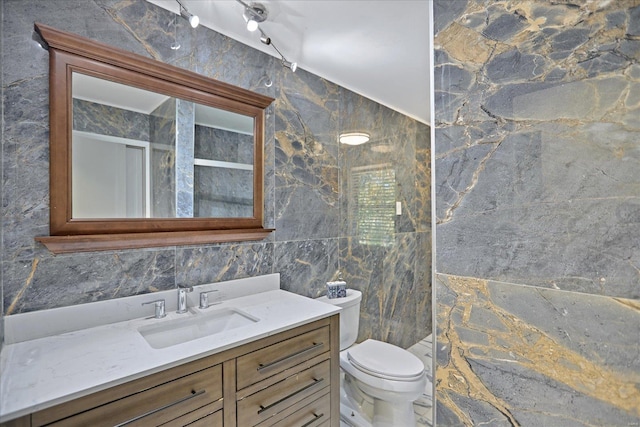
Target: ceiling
376, 48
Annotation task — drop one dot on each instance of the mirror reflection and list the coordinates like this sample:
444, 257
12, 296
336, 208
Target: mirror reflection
141, 154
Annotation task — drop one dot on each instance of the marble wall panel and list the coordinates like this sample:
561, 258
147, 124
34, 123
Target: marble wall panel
107, 120
390, 268
1, 187
55, 281
163, 160
220, 144
302, 264
526, 356
303, 173
209, 264
537, 158
185, 153
395, 286
537, 183
306, 160
223, 192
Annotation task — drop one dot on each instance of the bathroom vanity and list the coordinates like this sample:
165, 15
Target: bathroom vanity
279, 369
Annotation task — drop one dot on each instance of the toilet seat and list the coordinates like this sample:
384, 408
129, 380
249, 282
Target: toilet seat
408, 388
386, 361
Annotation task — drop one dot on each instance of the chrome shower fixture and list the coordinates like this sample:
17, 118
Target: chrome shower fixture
184, 12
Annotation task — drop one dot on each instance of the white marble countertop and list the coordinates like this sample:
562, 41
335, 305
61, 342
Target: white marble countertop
44, 371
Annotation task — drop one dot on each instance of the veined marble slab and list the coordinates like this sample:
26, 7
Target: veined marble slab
517, 355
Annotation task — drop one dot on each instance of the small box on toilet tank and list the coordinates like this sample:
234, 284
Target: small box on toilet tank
337, 289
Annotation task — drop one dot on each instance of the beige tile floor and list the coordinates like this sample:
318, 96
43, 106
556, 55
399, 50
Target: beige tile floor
423, 407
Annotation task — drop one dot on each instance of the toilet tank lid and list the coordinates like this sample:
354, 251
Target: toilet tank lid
353, 297
385, 360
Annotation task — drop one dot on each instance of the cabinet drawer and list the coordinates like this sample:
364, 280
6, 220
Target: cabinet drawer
158, 405
209, 415
274, 399
212, 420
263, 363
315, 414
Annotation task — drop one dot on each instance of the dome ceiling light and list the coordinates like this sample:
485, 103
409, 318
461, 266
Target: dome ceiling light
354, 138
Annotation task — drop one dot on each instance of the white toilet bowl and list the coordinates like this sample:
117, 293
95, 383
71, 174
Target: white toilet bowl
380, 381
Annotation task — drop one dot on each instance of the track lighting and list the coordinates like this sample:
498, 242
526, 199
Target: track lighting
253, 15
267, 40
193, 19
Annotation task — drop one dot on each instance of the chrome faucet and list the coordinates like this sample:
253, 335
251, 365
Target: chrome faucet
159, 304
182, 298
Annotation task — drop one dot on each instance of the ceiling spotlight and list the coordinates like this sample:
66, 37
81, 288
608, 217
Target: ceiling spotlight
254, 14
354, 138
264, 38
194, 21
291, 65
267, 40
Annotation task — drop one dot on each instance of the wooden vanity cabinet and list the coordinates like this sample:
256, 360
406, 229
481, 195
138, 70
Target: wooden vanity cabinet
285, 380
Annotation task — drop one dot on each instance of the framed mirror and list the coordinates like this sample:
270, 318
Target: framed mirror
147, 154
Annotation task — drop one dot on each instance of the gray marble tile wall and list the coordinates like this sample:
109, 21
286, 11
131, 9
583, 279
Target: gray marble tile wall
107, 120
185, 149
163, 130
1, 175
307, 195
516, 355
537, 172
223, 192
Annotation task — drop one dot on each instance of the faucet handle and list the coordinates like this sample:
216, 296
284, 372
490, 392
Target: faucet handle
204, 299
160, 311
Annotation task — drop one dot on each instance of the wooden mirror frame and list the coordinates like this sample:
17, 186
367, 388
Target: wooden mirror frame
69, 52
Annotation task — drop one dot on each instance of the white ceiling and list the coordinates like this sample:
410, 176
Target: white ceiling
377, 48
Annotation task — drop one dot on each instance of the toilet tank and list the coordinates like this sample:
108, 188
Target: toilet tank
349, 316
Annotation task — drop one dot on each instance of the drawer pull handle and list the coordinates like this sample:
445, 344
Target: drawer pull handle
315, 418
275, 363
153, 411
308, 386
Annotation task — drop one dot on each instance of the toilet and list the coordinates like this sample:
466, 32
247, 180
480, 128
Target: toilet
380, 381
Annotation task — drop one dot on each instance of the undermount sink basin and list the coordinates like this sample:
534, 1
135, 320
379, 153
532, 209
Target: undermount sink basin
172, 332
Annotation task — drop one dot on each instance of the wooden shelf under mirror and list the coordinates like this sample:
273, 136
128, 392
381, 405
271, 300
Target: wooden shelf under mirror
125, 134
